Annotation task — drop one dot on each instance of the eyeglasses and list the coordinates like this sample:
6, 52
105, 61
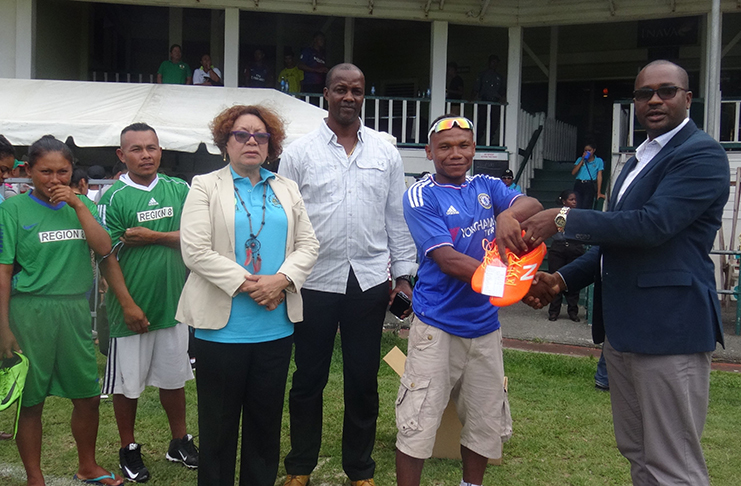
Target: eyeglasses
243, 137
506, 177
448, 123
664, 92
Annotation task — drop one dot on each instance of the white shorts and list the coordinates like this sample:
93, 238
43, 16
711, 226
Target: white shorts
441, 366
157, 358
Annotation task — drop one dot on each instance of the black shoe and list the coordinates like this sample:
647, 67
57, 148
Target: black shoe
574, 317
132, 466
601, 386
183, 451
552, 317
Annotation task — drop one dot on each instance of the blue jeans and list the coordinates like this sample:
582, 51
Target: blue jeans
601, 375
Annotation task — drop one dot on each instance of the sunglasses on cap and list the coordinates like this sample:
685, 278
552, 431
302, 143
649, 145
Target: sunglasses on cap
448, 123
243, 137
664, 92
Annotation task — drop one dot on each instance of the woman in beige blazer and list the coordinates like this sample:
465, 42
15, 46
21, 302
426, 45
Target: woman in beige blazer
247, 239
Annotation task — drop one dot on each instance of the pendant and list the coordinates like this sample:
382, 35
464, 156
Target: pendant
252, 254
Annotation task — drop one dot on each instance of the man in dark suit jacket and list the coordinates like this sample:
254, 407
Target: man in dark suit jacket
656, 308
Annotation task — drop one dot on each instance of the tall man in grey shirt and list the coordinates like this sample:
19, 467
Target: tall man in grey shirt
352, 182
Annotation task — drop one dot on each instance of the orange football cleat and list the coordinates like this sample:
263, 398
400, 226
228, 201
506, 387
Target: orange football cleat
518, 275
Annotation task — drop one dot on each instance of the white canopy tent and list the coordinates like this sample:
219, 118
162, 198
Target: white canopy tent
93, 114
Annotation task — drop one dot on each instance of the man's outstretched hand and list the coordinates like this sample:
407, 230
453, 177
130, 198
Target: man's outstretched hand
544, 289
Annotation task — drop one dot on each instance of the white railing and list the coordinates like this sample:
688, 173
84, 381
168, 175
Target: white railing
559, 140
529, 122
107, 77
404, 118
407, 118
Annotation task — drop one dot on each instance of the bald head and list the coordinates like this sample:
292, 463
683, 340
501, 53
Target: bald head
681, 73
345, 66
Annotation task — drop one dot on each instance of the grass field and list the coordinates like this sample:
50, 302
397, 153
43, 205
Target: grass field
562, 431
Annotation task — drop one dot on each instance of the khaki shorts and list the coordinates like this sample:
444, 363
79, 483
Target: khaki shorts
441, 366
156, 358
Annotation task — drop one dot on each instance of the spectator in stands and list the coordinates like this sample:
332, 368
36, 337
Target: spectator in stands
79, 182
291, 74
313, 63
48, 233
489, 87
174, 70
207, 74
257, 74
98, 172
454, 83
7, 161
19, 171
588, 171
246, 259
95, 191
509, 180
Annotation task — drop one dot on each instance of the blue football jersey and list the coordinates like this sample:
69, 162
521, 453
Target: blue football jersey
461, 217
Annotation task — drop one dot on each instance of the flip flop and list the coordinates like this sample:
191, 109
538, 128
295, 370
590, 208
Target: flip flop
98, 480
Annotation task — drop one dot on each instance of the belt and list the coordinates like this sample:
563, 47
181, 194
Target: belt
585, 182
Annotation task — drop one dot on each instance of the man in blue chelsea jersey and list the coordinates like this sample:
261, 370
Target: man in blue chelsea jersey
455, 343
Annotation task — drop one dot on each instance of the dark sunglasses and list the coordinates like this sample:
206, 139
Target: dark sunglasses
664, 92
243, 137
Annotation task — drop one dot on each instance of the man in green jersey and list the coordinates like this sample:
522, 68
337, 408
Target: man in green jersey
146, 274
174, 70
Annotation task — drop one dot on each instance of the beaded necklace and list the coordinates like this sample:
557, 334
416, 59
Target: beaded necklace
252, 245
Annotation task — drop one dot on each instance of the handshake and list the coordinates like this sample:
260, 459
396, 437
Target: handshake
545, 288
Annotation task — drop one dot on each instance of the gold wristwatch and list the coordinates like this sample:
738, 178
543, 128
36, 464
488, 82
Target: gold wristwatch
560, 219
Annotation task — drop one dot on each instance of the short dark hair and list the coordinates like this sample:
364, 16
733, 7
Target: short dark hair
174, 46
79, 174
345, 66
6, 148
47, 144
493, 57
137, 127
564, 195
119, 167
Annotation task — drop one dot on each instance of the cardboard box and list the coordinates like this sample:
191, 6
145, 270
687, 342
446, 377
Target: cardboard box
448, 438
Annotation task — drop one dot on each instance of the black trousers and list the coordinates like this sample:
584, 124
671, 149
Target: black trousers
247, 381
560, 254
585, 192
360, 317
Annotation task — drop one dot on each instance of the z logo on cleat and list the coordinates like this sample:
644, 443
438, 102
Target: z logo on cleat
530, 273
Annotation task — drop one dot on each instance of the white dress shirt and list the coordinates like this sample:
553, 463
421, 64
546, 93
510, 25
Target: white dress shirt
645, 154
355, 205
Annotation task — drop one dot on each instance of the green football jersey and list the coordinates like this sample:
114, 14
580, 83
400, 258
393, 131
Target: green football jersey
48, 244
154, 274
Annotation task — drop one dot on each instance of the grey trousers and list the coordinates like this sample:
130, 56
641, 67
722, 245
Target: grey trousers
659, 405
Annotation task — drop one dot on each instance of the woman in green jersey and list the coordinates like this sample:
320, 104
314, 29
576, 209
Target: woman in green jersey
45, 270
